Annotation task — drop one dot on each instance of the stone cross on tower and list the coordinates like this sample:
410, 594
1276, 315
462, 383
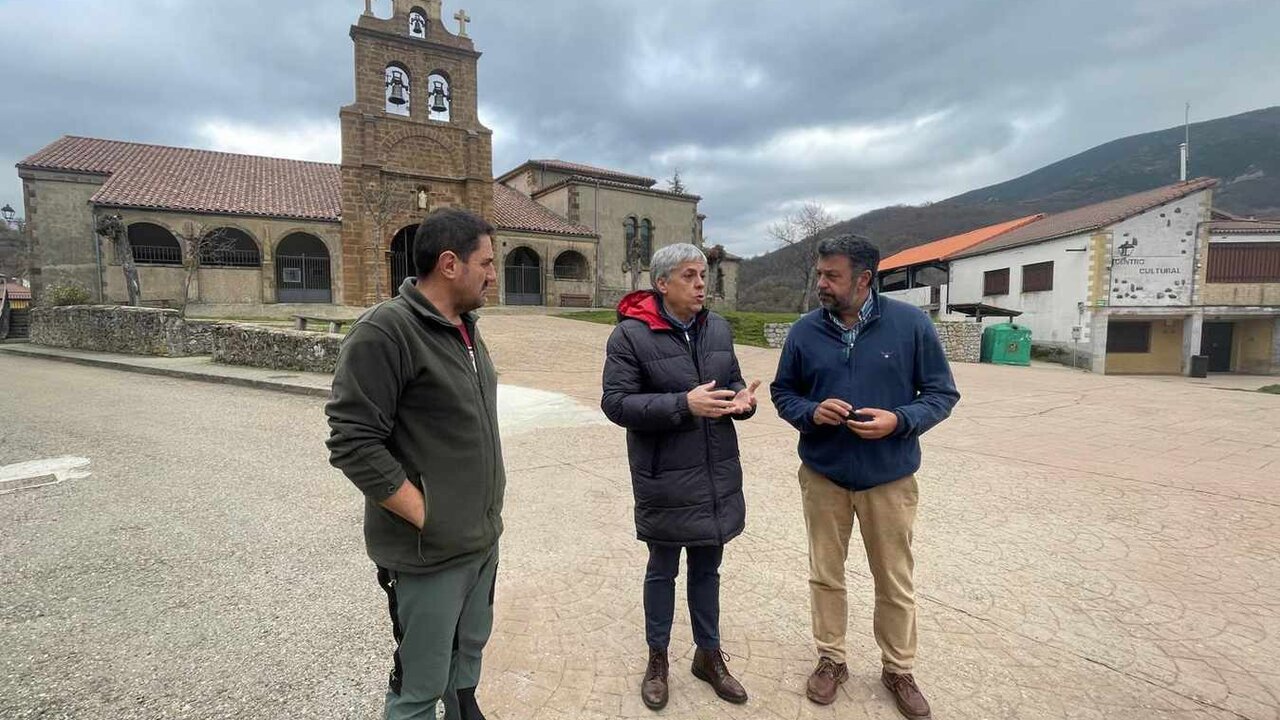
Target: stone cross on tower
463, 18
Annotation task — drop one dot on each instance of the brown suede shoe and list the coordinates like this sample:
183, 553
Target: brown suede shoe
709, 667
825, 681
906, 693
653, 689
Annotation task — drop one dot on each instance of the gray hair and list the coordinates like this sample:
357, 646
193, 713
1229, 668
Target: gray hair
669, 258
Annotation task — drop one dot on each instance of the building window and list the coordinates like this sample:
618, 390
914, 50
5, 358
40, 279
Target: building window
397, 89
154, 245
229, 247
1128, 337
1037, 277
646, 241
417, 23
995, 282
440, 97
571, 265
1244, 263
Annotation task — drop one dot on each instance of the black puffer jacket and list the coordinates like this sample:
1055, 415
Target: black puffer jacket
684, 470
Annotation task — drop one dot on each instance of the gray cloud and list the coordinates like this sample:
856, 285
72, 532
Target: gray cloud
762, 105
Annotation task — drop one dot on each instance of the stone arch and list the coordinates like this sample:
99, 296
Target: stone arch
154, 244
571, 265
439, 94
304, 273
404, 149
398, 85
235, 247
522, 272
400, 264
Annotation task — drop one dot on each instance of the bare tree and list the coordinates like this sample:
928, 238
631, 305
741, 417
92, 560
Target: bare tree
799, 231
382, 203
200, 244
113, 228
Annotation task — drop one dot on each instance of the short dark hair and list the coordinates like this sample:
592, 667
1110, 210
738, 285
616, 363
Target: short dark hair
444, 230
861, 253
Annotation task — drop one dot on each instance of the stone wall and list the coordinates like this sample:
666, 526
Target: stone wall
109, 328
962, 341
264, 347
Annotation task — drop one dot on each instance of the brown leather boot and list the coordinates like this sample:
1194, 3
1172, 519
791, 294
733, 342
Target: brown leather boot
709, 667
826, 680
653, 689
906, 693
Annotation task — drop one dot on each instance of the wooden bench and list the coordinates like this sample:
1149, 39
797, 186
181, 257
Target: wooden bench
575, 300
300, 322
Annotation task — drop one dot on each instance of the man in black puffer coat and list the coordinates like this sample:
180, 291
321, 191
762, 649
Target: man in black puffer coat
672, 380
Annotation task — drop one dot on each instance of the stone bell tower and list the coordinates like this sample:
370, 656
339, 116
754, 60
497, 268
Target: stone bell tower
411, 141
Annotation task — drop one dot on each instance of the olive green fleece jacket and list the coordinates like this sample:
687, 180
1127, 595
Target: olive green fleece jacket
409, 402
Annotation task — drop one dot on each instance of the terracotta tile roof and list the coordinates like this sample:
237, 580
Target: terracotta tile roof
588, 170
586, 180
16, 291
1090, 217
513, 210
948, 246
184, 179
1245, 227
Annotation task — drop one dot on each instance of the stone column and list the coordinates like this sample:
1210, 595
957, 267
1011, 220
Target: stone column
1192, 331
1275, 346
1098, 340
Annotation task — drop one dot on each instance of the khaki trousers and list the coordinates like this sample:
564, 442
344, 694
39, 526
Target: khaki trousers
886, 515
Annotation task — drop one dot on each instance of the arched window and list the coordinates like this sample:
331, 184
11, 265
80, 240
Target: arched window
229, 247
571, 265
417, 23
397, 96
154, 245
303, 273
646, 241
628, 234
440, 98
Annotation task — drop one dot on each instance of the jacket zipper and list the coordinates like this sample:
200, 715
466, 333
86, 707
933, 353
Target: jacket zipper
484, 404
706, 440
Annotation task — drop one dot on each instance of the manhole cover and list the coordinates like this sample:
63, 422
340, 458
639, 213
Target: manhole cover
39, 473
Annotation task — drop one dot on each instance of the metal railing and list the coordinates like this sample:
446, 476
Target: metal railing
212, 257
157, 254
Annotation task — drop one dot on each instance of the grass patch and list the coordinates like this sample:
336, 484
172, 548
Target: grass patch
747, 327
1270, 389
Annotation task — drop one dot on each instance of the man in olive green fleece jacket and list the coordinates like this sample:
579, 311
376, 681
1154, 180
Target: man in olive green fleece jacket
414, 425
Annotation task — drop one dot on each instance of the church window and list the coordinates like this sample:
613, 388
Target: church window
417, 23
397, 82
441, 99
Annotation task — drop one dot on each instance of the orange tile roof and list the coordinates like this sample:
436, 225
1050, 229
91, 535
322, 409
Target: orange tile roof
171, 178
948, 246
513, 210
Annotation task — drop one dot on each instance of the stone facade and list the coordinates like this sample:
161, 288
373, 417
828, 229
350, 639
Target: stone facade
776, 333
263, 347
389, 158
106, 328
961, 340
562, 290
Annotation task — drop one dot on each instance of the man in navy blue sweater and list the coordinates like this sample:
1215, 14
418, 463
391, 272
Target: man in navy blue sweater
861, 379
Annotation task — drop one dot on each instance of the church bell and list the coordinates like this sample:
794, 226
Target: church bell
438, 97
398, 86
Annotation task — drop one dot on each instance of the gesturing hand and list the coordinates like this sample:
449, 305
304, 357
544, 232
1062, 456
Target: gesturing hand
745, 401
704, 401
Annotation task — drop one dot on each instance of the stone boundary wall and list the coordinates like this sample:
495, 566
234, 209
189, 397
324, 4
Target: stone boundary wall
263, 347
961, 340
111, 328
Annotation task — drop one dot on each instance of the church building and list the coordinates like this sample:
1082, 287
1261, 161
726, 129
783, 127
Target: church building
306, 233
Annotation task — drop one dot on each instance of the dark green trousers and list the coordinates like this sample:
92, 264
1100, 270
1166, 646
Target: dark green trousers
441, 622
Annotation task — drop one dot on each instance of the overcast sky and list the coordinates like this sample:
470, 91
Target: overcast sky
763, 105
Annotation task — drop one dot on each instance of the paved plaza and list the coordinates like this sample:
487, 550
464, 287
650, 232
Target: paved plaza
1087, 547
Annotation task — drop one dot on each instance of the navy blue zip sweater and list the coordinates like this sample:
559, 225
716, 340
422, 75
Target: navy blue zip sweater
896, 363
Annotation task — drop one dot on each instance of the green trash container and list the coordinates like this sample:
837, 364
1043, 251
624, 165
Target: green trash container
1006, 344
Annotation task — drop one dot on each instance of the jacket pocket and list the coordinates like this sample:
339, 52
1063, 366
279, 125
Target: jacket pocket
426, 514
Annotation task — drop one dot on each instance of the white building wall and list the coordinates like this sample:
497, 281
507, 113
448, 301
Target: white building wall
1050, 314
1153, 254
